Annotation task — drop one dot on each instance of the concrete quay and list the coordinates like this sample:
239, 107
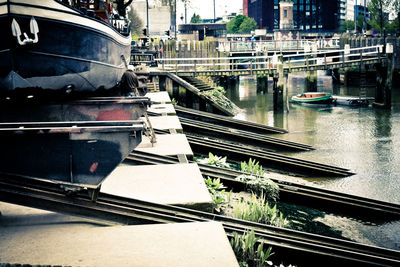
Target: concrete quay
37, 237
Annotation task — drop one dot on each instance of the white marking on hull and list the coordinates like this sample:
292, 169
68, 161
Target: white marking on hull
68, 18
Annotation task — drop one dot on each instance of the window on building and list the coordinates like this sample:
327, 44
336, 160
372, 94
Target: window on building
285, 13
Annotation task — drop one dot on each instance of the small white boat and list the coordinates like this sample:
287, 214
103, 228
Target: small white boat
352, 100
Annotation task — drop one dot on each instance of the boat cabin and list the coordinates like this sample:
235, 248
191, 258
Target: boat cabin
101, 9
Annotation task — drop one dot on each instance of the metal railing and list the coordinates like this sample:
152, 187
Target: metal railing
272, 45
321, 59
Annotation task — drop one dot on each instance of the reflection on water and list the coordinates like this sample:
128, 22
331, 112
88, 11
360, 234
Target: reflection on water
365, 140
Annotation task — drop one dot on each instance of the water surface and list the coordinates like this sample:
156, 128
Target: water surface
365, 140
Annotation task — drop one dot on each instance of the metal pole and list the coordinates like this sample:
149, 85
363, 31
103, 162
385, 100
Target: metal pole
214, 11
185, 13
175, 18
365, 16
147, 17
355, 18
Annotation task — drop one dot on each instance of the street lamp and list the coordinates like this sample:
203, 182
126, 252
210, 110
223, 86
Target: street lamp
147, 17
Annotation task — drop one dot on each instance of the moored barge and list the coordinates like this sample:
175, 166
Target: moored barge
61, 47
78, 154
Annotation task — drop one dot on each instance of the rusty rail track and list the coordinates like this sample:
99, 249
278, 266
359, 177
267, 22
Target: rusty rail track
303, 248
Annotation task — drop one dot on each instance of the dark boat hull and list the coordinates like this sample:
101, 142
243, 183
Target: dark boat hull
317, 102
79, 154
92, 109
73, 50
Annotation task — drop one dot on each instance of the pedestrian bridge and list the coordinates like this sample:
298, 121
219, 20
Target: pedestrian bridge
278, 45
270, 65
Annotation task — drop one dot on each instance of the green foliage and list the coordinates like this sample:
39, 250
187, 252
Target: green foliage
233, 26
361, 23
248, 25
252, 167
217, 191
258, 210
241, 24
215, 160
263, 186
393, 27
379, 11
347, 25
218, 97
196, 19
256, 181
247, 252
136, 22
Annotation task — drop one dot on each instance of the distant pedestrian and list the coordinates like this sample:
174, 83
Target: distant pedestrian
252, 41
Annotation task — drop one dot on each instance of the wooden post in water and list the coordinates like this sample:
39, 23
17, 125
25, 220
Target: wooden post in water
262, 83
311, 75
384, 76
380, 78
279, 80
387, 93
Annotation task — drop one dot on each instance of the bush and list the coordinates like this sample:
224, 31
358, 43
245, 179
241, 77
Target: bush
256, 181
215, 160
258, 210
218, 194
247, 254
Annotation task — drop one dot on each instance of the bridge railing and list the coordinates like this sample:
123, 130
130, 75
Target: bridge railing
274, 45
255, 63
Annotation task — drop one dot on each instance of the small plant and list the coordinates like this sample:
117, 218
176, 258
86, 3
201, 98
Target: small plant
244, 247
218, 194
258, 210
256, 181
215, 160
253, 167
174, 102
263, 186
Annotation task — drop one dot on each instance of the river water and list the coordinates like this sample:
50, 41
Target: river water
364, 140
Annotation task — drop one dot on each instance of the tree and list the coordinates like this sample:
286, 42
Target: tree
396, 5
379, 10
248, 25
233, 26
136, 22
347, 25
196, 19
393, 27
361, 23
121, 6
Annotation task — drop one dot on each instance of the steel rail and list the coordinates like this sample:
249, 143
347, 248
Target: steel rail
130, 211
246, 137
289, 191
227, 121
273, 160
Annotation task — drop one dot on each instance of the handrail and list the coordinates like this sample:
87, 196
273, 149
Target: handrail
270, 63
269, 57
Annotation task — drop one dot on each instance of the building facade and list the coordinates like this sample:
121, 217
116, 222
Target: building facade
159, 17
308, 15
245, 8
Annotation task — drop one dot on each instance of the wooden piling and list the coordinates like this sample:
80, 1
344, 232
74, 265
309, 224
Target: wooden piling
311, 81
